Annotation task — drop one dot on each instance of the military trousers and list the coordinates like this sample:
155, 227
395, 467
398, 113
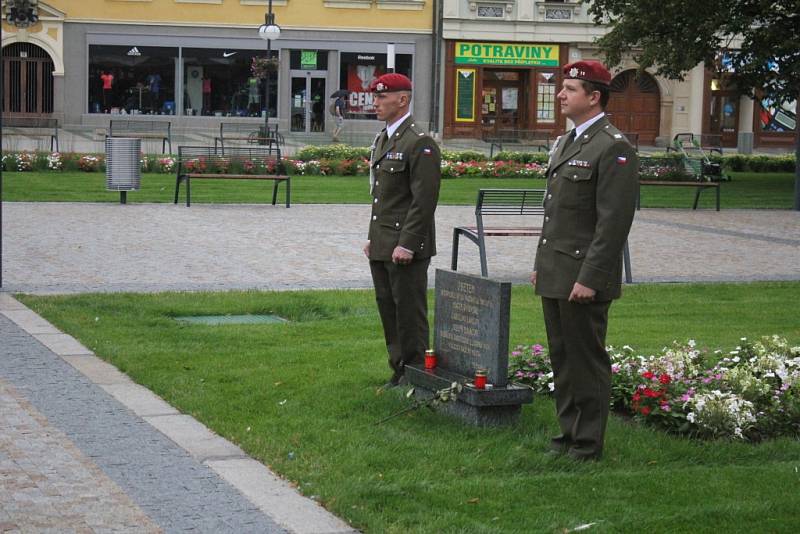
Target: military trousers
401, 294
576, 336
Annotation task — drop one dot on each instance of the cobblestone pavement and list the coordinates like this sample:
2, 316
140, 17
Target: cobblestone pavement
46, 482
66, 247
73, 459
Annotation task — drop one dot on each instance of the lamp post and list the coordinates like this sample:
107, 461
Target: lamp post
268, 31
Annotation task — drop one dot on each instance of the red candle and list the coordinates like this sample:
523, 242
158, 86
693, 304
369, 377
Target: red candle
430, 359
480, 379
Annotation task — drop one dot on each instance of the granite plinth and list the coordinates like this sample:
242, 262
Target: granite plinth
495, 406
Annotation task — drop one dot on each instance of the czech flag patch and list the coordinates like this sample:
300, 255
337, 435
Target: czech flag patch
622, 160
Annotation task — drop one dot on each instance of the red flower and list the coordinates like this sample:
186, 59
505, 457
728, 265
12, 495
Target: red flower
645, 410
636, 397
664, 379
648, 375
650, 393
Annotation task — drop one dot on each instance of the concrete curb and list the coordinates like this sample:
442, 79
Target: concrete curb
275, 497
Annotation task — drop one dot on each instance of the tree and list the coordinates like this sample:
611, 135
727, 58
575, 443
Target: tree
754, 44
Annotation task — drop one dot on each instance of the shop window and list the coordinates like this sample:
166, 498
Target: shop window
357, 71
546, 97
775, 117
132, 79
220, 82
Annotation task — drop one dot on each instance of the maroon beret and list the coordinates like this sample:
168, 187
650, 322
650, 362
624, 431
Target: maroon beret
589, 70
389, 83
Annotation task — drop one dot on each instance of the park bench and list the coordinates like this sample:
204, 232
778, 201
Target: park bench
707, 142
516, 136
697, 173
234, 163
33, 127
249, 132
507, 202
142, 130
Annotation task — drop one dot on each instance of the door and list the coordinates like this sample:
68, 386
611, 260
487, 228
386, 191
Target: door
724, 111
308, 102
635, 104
501, 105
27, 81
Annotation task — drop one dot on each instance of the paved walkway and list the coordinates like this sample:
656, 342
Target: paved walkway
65, 247
83, 449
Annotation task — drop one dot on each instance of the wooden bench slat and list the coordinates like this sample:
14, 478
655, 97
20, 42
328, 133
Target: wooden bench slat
221, 158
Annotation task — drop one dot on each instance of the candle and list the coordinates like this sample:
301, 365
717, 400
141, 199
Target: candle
480, 379
430, 359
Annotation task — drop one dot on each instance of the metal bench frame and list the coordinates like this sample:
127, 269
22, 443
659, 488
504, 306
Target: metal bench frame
519, 136
500, 202
187, 153
40, 123
244, 131
142, 129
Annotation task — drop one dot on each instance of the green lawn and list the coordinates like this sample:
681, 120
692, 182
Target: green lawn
747, 190
302, 398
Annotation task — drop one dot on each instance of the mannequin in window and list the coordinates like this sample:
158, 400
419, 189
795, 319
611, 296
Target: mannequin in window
253, 95
154, 85
206, 95
108, 83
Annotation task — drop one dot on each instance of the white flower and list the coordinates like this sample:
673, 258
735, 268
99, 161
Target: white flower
551, 386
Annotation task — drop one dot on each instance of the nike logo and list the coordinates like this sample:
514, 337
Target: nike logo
228, 54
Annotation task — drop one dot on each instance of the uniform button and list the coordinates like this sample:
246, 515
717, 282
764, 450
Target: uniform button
549, 196
544, 241
574, 175
374, 200
374, 217
555, 174
377, 182
397, 224
378, 166
547, 219
577, 252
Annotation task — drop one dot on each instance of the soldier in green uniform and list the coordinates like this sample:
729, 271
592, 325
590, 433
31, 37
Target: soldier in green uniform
404, 183
592, 184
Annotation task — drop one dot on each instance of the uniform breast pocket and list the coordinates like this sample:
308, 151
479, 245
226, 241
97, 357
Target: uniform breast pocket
394, 173
579, 186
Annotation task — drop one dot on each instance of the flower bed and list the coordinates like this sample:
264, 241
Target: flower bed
343, 160
751, 393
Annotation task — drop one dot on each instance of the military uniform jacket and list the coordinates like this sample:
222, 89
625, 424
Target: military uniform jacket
592, 186
406, 172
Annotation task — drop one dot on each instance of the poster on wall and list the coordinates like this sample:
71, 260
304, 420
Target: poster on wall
465, 95
359, 77
775, 117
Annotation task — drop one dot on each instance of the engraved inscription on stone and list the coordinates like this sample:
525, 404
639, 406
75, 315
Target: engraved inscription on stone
471, 324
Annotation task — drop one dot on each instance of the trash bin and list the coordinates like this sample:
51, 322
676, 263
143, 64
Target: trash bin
123, 169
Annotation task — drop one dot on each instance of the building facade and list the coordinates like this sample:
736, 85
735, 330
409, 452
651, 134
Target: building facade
502, 64
191, 60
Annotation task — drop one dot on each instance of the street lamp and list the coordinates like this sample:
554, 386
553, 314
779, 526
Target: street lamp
268, 31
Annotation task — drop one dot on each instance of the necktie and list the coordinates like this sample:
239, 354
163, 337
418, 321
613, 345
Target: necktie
569, 141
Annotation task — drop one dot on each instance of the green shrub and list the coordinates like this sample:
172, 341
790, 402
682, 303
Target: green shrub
522, 157
331, 152
463, 155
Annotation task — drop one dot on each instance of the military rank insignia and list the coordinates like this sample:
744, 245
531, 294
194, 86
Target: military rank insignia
580, 163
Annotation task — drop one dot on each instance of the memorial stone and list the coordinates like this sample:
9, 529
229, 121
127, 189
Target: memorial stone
471, 322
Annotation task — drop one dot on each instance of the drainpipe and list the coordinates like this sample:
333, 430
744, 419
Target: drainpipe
436, 64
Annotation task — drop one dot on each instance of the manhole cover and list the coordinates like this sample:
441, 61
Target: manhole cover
231, 319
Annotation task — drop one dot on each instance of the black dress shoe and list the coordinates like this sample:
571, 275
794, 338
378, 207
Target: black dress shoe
397, 379
584, 455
